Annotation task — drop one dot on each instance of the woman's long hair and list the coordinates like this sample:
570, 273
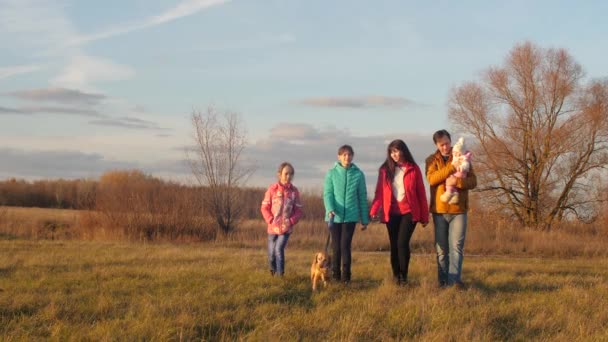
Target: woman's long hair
389, 164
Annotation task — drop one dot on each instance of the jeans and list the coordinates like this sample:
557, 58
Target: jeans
341, 240
400, 229
276, 252
450, 232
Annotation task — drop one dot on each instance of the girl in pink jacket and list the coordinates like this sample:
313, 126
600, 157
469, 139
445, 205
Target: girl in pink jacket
281, 209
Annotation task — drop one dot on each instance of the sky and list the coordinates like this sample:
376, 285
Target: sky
90, 86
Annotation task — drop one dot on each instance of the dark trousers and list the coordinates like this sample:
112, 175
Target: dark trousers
400, 229
341, 240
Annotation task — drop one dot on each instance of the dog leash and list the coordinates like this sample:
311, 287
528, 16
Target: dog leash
330, 225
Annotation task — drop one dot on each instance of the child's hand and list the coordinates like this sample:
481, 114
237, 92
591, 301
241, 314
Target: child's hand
451, 181
364, 227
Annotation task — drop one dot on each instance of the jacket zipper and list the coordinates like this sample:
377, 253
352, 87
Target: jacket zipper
345, 186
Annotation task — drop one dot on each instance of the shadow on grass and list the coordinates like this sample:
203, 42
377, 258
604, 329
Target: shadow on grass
26, 310
506, 327
214, 331
512, 286
8, 236
363, 284
7, 271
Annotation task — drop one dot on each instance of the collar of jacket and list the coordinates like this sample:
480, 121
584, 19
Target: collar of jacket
439, 156
284, 186
339, 166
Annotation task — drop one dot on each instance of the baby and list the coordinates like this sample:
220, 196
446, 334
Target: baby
461, 159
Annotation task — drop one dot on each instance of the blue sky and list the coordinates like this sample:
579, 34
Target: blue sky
87, 86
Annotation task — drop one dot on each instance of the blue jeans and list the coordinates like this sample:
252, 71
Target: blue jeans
450, 232
276, 252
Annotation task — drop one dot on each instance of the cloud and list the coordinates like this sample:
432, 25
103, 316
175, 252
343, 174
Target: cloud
83, 70
56, 164
313, 150
60, 110
127, 122
186, 8
6, 110
358, 101
40, 27
6, 72
292, 132
60, 95
32, 110
42, 164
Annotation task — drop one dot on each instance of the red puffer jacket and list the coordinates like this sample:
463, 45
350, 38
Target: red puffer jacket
414, 192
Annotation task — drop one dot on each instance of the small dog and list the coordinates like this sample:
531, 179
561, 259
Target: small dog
319, 269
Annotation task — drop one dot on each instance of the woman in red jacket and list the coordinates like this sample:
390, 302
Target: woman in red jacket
400, 202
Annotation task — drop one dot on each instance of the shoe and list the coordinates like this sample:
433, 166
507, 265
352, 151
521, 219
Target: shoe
346, 279
400, 280
442, 284
272, 273
459, 285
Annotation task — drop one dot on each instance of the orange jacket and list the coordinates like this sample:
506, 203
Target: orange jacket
437, 171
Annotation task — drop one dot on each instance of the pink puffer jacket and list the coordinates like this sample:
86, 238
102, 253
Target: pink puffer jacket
281, 208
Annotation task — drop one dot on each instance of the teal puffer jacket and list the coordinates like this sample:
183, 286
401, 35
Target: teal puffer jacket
345, 194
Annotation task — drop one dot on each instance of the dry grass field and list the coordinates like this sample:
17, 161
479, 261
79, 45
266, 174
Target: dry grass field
83, 290
484, 238
64, 278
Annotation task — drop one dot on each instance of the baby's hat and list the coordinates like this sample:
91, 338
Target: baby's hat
459, 146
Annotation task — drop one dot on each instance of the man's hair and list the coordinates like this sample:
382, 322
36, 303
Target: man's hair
440, 134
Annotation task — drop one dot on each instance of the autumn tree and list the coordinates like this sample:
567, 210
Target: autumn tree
218, 164
541, 132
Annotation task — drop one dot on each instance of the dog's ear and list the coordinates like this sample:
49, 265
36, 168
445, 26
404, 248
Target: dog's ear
314, 259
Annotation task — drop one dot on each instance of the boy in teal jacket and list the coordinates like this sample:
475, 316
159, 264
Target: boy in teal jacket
345, 199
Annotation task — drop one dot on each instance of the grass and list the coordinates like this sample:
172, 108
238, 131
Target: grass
119, 291
484, 237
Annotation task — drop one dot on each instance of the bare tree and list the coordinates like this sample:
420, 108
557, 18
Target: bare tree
542, 135
218, 165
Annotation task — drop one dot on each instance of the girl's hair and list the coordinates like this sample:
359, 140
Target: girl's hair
345, 148
284, 165
440, 134
389, 164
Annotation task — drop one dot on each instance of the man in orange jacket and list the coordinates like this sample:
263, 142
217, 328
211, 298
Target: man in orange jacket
450, 220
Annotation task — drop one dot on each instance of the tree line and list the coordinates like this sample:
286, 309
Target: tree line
124, 190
